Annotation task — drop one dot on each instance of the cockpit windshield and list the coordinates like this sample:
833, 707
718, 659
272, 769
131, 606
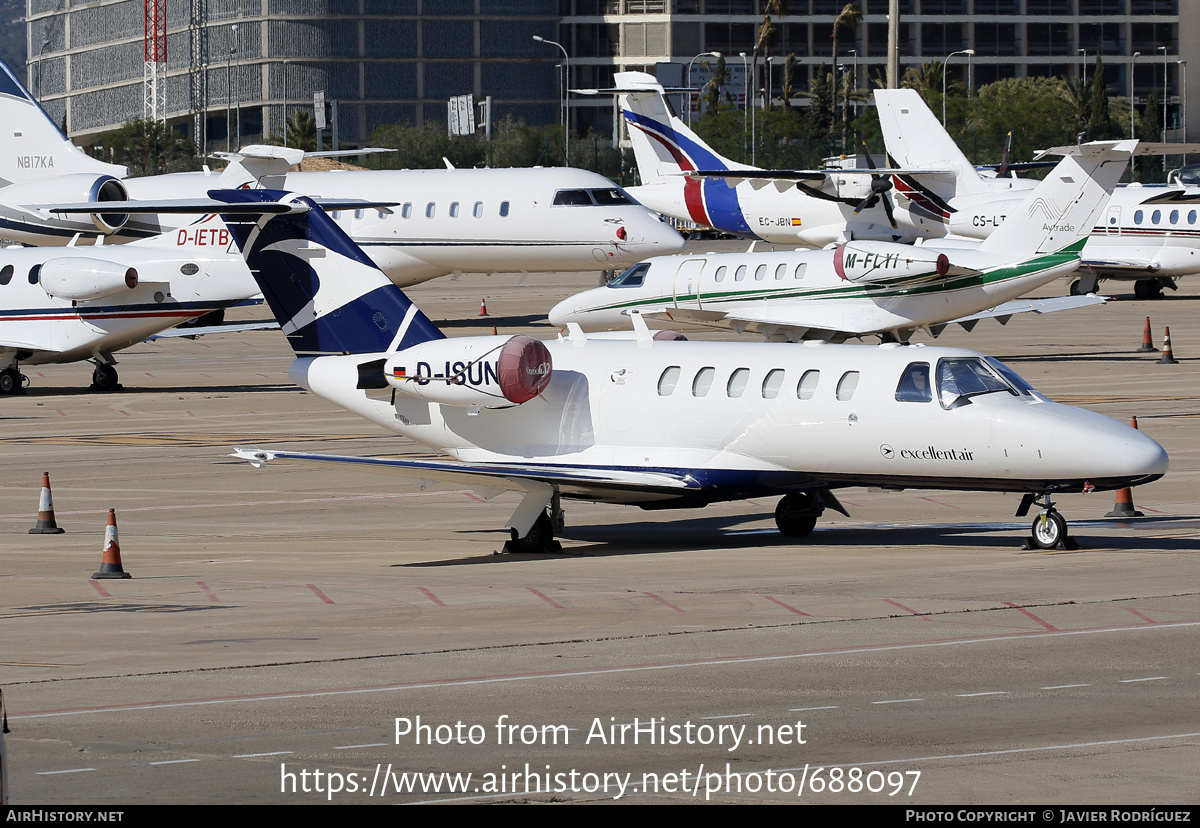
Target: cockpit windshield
604, 197
634, 277
959, 379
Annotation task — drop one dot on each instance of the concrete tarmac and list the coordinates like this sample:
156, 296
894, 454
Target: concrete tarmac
280, 621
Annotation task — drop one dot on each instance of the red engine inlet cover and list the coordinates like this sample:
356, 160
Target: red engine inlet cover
524, 369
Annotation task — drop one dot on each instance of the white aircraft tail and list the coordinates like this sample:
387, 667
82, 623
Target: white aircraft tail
663, 145
915, 139
1062, 210
33, 146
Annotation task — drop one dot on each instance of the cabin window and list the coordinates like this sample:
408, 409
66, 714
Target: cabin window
780, 272
1156, 216
430, 209
720, 275
633, 277
610, 197
35, 273
800, 268
503, 209
914, 384
760, 273
572, 197
1174, 217
478, 211
1137, 217
453, 209
846, 385
960, 379
740, 273
668, 380
406, 210
737, 382
772, 383
358, 214
6, 275
1191, 216
807, 385
703, 381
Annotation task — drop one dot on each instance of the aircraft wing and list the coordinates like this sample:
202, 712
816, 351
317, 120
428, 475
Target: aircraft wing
202, 206
493, 478
1002, 313
1131, 265
229, 327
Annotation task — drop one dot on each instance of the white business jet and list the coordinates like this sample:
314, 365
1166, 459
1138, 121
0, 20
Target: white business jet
874, 287
1150, 234
665, 424
446, 221
68, 304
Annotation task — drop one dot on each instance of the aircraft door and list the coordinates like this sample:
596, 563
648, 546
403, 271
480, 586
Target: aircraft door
687, 283
1112, 220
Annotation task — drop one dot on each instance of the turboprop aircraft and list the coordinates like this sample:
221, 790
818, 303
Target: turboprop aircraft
446, 221
661, 423
684, 177
874, 287
67, 304
1147, 233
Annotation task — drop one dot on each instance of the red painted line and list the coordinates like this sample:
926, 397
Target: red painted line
126, 413
547, 599
436, 601
848, 503
1030, 615
207, 376
208, 593
922, 615
147, 373
475, 497
662, 601
103, 592
264, 376
938, 502
190, 414
786, 606
61, 413
315, 591
39, 374
755, 503
1145, 618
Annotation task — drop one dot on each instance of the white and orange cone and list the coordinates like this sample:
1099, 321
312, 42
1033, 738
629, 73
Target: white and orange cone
483, 306
110, 561
1168, 357
45, 519
1124, 505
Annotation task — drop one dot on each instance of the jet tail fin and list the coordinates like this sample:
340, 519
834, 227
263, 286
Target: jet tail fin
915, 139
326, 293
1062, 210
34, 147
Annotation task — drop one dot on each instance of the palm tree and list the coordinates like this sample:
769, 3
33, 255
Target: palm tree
849, 18
766, 33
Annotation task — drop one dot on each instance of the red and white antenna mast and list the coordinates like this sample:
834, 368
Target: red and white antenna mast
154, 106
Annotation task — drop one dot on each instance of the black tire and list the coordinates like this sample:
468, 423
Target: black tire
104, 378
796, 515
539, 537
10, 381
1048, 530
1147, 289
1075, 288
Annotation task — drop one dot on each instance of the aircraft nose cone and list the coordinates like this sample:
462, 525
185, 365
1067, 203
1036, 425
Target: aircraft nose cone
1129, 454
562, 313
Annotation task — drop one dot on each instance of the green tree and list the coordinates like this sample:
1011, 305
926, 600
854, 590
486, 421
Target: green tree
762, 42
849, 18
148, 148
1035, 110
302, 130
716, 81
1101, 127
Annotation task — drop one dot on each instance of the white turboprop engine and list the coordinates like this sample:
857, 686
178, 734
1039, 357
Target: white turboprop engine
485, 371
79, 278
868, 261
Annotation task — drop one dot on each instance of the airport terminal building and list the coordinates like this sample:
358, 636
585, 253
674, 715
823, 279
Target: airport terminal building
399, 61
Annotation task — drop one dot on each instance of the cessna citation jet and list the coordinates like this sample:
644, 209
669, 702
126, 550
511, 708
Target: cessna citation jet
661, 423
1150, 234
445, 221
874, 287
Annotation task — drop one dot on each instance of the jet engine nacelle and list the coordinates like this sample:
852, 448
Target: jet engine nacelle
867, 261
79, 278
486, 371
74, 189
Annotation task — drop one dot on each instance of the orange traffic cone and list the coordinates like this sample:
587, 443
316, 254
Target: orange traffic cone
1168, 358
45, 520
483, 306
1147, 342
110, 561
494, 330
1124, 505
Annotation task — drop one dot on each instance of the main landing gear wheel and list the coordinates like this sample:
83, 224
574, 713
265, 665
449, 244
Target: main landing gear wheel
796, 515
1147, 289
539, 539
1049, 530
104, 378
12, 381
1075, 288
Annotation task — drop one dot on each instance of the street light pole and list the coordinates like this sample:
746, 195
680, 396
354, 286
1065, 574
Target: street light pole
746, 103
228, 93
1183, 88
566, 109
944, 66
688, 82
1083, 67
1132, 161
1163, 49
285, 101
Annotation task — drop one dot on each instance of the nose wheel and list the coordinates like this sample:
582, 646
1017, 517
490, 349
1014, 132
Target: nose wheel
1049, 530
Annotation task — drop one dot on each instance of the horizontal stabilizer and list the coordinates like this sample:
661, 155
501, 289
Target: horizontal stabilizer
1051, 305
1143, 148
228, 327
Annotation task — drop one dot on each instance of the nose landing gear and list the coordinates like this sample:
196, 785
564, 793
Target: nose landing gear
1049, 529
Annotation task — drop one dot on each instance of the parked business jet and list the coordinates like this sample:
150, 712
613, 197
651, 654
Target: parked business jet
665, 424
1150, 234
446, 221
873, 287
